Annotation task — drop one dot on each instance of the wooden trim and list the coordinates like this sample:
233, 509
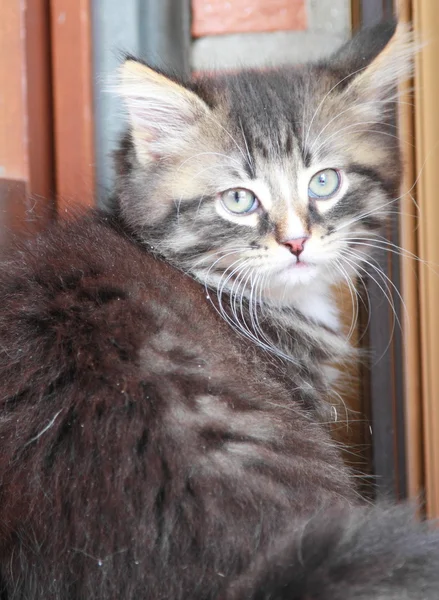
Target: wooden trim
409, 288
407, 380
13, 162
13, 193
426, 20
26, 139
73, 103
39, 100
355, 15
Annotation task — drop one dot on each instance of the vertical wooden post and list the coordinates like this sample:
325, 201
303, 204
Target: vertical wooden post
408, 224
26, 157
73, 103
426, 19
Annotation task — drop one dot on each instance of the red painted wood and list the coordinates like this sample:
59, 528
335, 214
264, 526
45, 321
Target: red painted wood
212, 17
73, 103
26, 153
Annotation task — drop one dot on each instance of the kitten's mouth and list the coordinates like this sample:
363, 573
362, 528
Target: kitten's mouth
300, 264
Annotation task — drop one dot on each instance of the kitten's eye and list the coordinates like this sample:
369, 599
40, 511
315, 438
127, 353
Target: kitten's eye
239, 201
324, 184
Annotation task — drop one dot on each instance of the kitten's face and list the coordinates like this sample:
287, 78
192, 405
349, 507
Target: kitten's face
266, 181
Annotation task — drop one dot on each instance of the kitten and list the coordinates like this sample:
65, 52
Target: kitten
148, 450
268, 187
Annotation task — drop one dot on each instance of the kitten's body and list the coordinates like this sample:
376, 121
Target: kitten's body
148, 451
145, 447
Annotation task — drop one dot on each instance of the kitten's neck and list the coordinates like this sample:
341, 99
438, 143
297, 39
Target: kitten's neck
307, 323
315, 301
299, 324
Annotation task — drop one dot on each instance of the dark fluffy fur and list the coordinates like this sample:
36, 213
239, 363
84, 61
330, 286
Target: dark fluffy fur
141, 454
147, 452
375, 553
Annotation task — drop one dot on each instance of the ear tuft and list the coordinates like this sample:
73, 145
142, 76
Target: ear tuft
392, 65
377, 60
161, 112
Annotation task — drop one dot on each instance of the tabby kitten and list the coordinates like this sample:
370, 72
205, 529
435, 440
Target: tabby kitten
269, 187
150, 452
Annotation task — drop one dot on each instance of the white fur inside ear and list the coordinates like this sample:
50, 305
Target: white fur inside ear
161, 112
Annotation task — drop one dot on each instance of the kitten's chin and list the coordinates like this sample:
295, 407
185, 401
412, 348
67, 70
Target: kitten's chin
304, 281
297, 274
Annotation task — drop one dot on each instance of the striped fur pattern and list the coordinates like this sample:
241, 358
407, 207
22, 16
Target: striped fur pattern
146, 449
150, 453
270, 133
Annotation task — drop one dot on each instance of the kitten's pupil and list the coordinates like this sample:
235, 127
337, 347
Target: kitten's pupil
237, 196
241, 197
322, 179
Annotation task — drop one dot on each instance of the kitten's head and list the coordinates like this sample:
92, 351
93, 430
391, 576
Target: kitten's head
278, 176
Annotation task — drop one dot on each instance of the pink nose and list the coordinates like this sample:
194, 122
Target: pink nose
296, 246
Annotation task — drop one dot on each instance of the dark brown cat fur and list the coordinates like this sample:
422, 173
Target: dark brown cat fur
137, 453
148, 452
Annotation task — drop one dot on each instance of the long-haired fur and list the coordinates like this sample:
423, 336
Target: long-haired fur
148, 449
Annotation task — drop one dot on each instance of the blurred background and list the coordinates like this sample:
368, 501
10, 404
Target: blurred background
58, 127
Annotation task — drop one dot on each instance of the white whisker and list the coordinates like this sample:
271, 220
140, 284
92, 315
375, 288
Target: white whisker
395, 199
231, 137
385, 291
225, 252
359, 123
355, 107
383, 244
354, 300
376, 267
324, 99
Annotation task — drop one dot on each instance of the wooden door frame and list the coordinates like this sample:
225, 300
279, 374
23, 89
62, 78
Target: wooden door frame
46, 142
72, 72
426, 24
26, 148
418, 281
383, 378
408, 227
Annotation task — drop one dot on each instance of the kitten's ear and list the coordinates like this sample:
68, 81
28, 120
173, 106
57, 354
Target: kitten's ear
376, 60
162, 113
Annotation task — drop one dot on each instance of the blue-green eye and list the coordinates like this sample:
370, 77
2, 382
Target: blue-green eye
239, 201
324, 184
